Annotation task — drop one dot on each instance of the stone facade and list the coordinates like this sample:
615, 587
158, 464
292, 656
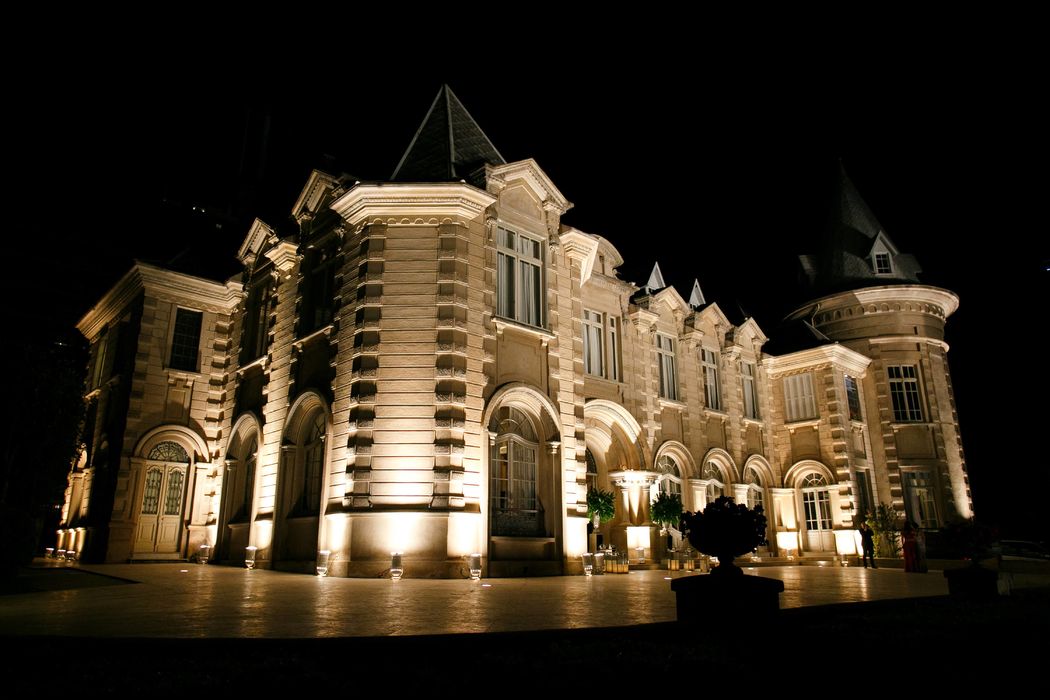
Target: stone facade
443, 368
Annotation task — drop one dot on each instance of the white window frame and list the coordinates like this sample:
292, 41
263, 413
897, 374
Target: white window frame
593, 347
748, 372
709, 362
665, 356
853, 396
756, 492
800, 402
670, 479
877, 260
614, 348
905, 393
920, 497
515, 252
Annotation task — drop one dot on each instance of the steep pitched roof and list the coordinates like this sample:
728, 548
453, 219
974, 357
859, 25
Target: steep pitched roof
448, 145
847, 257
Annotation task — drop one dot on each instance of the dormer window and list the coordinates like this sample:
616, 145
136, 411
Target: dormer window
882, 264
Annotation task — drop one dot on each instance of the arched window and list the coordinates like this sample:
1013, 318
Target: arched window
592, 472
169, 451
250, 455
716, 488
313, 463
755, 490
816, 505
670, 480
513, 465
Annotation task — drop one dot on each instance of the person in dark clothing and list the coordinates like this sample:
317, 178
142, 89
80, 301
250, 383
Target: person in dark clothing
867, 541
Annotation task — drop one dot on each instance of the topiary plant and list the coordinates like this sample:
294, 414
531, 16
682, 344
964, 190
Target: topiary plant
883, 522
666, 509
602, 504
726, 530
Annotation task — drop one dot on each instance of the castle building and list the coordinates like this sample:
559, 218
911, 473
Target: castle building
436, 365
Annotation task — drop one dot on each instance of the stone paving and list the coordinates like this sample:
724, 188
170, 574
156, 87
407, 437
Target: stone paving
188, 600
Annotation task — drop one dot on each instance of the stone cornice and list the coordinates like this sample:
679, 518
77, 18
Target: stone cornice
284, 256
580, 247
312, 192
164, 284
409, 203
914, 294
908, 339
258, 235
613, 284
837, 355
643, 319
529, 171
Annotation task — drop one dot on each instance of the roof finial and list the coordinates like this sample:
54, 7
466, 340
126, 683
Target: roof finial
696, 298
656, 280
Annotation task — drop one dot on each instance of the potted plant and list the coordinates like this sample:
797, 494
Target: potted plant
726, 530
601, 506
883, 523
666, 510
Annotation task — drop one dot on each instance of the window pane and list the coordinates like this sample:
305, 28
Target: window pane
186, 340
151, 493
173, 499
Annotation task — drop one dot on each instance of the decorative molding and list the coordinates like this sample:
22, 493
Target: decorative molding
412, 204
838, 356
528, 171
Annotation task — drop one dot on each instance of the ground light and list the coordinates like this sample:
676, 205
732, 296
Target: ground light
475, 566
249, 557
396, 568
322, 562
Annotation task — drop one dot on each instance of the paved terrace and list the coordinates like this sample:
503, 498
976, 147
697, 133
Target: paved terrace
193, 601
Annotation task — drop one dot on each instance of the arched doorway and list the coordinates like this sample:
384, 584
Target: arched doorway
816, 512
165, 482
300, 484
526, 519
238, 490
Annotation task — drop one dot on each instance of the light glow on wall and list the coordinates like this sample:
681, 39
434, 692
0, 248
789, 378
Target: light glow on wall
846, 541
401, 532
464, 537
264, 534
638, 536
576, 537
787, 541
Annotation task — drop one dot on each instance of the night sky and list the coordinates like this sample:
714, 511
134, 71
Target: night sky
715, 169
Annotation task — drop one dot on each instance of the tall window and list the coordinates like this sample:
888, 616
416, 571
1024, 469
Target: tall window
519, 277
601, 359
865, 498
592, 472
712, 383
755, 492
853, 398
186, 340
614, 349
313, 464
747, 380
799, 401
319, 291
668, 372
882, 264
593, 357
904, 392
256, 322
920, 501
515, 506
670, 481
817, 503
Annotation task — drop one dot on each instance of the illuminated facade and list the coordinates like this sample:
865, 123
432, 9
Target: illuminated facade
436, 365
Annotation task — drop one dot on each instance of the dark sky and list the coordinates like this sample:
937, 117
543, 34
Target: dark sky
716, 163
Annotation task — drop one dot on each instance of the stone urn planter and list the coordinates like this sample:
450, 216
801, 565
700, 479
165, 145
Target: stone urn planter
726, 530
